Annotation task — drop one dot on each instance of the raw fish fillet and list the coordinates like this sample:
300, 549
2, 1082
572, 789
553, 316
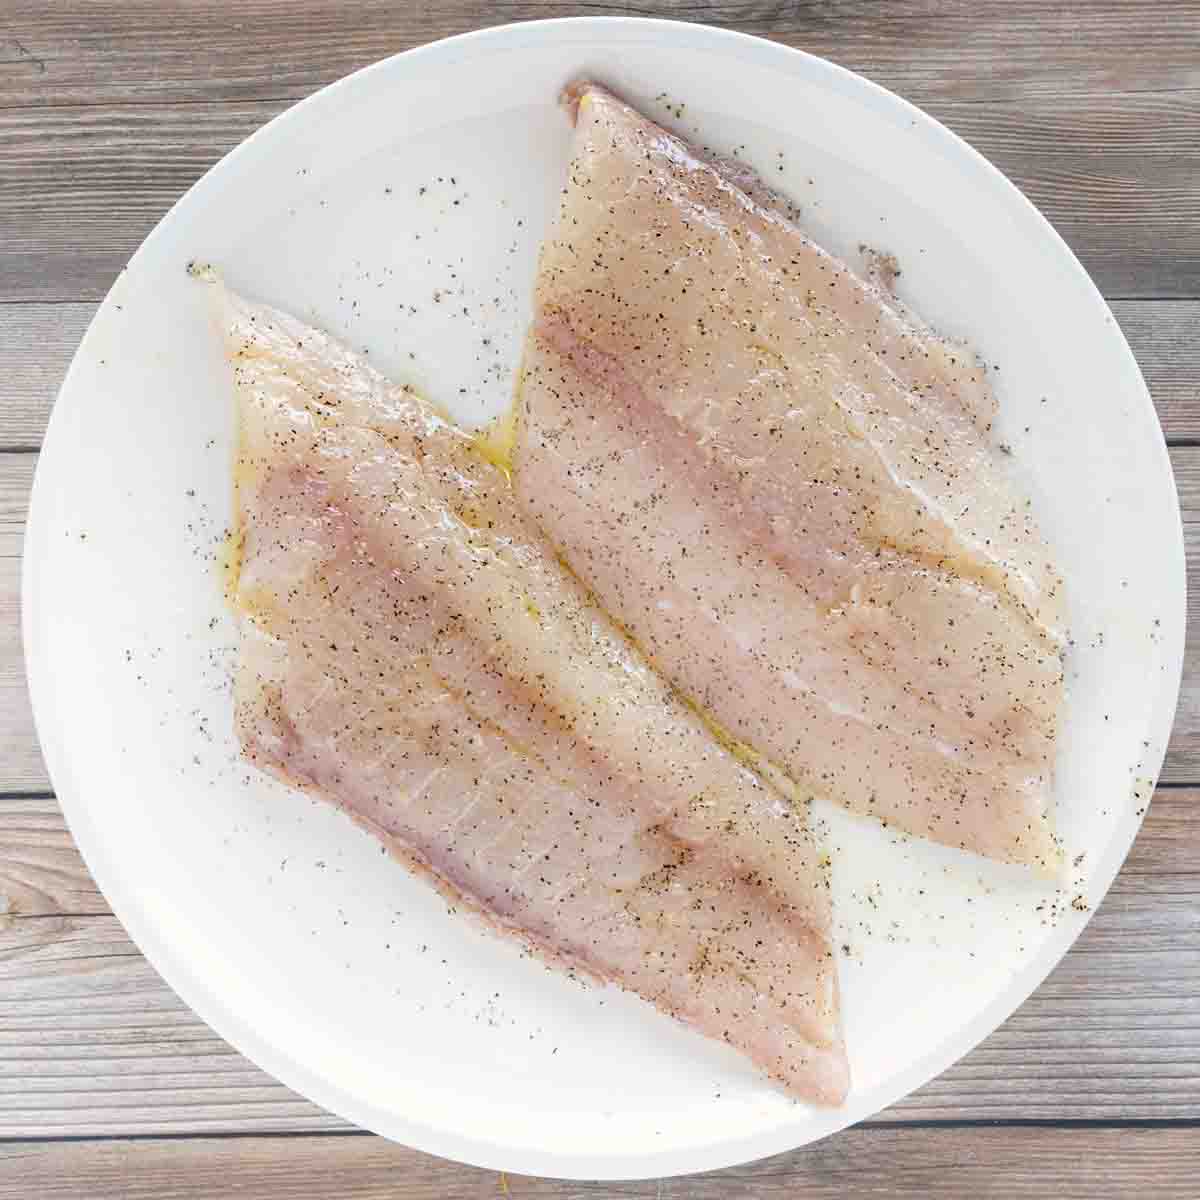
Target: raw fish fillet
413, 651
782, 485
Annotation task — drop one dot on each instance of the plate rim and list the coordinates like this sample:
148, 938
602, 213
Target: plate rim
275, 1060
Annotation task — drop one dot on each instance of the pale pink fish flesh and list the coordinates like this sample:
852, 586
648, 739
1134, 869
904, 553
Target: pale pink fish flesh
413, 652
783, 486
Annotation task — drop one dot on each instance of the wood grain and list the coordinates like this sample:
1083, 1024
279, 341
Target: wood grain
37, 342
929, 1164
41, 871
81, 186
21, 765
89, 51
1165, 339
93, 1043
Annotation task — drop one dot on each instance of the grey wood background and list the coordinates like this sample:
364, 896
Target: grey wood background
109, 1087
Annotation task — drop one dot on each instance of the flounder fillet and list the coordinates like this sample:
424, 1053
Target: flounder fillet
413, 651
782, 485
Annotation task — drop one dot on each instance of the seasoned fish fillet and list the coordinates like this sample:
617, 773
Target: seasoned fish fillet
782, 485
413, 651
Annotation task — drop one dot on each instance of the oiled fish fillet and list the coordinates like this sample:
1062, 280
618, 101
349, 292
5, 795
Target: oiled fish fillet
782, 485
413, 651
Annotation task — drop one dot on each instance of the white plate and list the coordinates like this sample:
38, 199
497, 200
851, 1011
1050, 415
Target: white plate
286, 930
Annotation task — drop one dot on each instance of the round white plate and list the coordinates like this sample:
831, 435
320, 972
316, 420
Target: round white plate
402, 208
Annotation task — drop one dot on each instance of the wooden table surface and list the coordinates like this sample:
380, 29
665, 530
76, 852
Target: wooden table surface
109, 1086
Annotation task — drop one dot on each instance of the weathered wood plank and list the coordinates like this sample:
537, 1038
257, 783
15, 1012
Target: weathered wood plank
1183, 753
1165, 338
84, 51
994, 1163
21, 765
92, 1042
1104, 170
80, 187
37, 342
109, 176
41, 871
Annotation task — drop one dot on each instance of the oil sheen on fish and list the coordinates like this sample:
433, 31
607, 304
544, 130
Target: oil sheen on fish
783, 486
413, 651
